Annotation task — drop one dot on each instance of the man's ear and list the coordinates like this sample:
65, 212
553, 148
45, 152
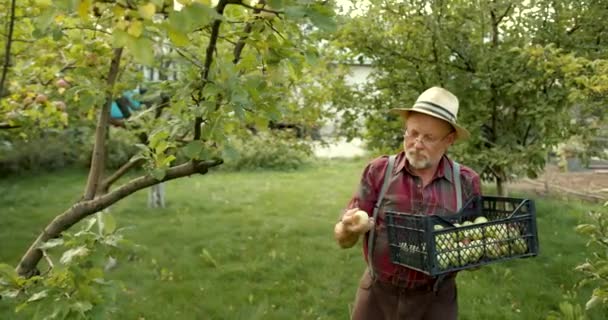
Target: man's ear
451, 138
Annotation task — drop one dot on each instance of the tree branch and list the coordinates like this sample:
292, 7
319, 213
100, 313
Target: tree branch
469, 66
240, 45
504, 14
107, 183
215, 30
183, 55
258, 9
87, 28
574, 28
275, 30
99, 149
7, 50
82, 209
8, 126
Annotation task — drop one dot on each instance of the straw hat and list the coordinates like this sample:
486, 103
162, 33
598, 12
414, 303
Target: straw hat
439, 103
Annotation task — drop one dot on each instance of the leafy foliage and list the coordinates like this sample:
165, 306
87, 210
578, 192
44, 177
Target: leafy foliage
521, 90
75, 286
595, 269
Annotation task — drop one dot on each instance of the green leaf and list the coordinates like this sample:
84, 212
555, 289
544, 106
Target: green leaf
178, 37
208, 258
276, 4
166, 162
593, 302
81, 307
57, 34
586, 229
143, 50
9, 293
52, 243
295, 12
211, 90
90, 223
135, 28
45, 19
109, 223
38, 296
322, 20
193, 149
157, 137
178, 21
192, 16
120, 38
159, 174
161, 147
83, 9
147, 11
67, 5
198, 13
69, 255
8, 271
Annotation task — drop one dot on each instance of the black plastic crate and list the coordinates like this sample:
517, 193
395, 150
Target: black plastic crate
446, 242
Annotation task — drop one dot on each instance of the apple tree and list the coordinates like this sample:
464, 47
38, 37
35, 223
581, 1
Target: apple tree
520, 93
238, 64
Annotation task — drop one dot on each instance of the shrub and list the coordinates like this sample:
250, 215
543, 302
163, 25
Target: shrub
49, 151
54, 150
270, 150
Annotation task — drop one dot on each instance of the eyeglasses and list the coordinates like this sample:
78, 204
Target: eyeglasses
425, 140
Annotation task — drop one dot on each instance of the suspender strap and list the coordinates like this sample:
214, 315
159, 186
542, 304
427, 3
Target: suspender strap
371, 235
458, 189
457, 184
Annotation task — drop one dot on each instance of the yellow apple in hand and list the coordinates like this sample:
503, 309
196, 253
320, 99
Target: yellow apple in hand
361, 218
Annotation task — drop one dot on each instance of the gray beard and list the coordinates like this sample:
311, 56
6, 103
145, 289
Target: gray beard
415, 162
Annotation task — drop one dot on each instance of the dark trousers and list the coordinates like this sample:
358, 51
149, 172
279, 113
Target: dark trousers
381, 301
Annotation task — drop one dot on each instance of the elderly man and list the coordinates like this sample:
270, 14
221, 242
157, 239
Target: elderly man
420, 177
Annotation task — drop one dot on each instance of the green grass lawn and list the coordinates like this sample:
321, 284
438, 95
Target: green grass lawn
259, 245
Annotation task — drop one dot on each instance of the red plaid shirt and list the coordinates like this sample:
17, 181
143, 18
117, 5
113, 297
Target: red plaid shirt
405, 194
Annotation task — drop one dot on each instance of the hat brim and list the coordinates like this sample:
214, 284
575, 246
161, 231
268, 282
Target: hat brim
461, 133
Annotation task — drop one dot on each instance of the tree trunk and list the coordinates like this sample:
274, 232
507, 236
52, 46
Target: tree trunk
156, 196
501, 186
7, 51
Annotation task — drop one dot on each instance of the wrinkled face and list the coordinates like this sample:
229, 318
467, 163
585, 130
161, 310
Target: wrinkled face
426, 139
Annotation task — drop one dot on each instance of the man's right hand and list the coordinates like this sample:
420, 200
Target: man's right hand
348, 230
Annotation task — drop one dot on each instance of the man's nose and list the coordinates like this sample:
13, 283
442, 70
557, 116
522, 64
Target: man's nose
418, 143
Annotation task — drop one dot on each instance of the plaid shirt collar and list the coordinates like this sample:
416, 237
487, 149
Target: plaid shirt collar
444, 170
